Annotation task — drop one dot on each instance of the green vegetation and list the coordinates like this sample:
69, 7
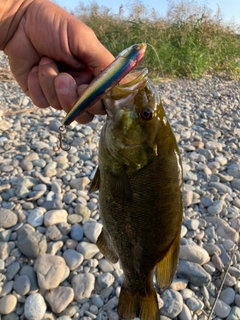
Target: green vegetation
190, 41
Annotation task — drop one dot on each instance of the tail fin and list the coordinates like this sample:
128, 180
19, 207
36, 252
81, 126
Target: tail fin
132, 305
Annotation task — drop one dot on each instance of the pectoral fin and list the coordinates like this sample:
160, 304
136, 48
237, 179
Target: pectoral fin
166, 268
95, 185
105, 246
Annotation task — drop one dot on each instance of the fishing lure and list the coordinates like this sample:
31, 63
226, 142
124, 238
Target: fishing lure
122, 65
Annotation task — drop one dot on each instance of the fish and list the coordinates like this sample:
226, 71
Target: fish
140, 184
106, 80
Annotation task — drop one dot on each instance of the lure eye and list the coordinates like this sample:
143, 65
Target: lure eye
146, 114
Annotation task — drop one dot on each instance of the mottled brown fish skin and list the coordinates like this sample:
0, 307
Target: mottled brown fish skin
140, 196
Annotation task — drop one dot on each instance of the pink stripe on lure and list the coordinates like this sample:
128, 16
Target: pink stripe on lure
122, 65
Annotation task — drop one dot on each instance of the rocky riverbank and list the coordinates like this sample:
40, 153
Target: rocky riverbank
50, 266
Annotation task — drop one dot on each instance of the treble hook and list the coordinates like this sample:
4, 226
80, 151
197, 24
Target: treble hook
62, 129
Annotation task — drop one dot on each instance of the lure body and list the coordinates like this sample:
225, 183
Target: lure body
122, 65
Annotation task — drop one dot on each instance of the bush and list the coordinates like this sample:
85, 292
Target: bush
190, 41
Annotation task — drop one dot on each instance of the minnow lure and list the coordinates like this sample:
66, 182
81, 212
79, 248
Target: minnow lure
123, 64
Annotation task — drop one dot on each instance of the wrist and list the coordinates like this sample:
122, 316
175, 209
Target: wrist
11, 13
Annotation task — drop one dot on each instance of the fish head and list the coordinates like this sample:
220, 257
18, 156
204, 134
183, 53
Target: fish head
135, 120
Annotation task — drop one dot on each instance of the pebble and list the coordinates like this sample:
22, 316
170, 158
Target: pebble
54, 217
193, 272
8, 218
194, 254
83, 285
50, 271
35, 307
59, 298
76, 232
36, 216
30, 273
222, 309
228, 296
30, 242
105, 280
73, 258
8, 304
92, 230
173, 303
87, 249
22, 285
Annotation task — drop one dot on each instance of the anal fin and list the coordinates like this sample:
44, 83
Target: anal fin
105, 246
166, 268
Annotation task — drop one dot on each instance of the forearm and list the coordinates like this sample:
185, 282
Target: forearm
11, 13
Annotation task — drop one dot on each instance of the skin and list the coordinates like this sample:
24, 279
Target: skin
52, 55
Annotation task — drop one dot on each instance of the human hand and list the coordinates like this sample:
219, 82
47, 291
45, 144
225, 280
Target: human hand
52, 53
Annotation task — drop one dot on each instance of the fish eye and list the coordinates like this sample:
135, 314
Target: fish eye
146, 113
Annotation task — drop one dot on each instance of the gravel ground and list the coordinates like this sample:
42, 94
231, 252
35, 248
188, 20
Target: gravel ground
50, 266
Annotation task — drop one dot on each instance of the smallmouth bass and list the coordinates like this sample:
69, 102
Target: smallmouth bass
139, 179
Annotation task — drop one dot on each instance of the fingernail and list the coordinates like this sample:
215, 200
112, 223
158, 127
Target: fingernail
45, 60
62, 84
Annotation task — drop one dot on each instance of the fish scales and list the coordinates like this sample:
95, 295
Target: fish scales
140, 195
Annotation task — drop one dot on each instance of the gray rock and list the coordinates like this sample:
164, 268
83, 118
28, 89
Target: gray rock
26, 165
191, 224
185, 314
222, 188
8, 304
173, 303
53, 233
97, 301
105, 265
222, 310
59, 298
12, 270
194, 254
30, 242
87, 249
50, 271
54, 125
193, 272
216, 207
8, 218
82, 210
92, 230
236, 184
228, 296
22, 285
76, 232
35, 307
10, 316
79, 183
30, 273
105, 280
234, 314
223, 229
73, 258
194, 304
36, 216
7, 288
83, 285
54, 217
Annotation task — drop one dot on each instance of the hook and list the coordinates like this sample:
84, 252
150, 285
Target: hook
60, 146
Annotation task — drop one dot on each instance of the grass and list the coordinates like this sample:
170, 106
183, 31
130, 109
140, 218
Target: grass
190, 40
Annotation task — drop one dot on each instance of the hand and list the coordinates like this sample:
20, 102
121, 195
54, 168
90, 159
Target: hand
51, 53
